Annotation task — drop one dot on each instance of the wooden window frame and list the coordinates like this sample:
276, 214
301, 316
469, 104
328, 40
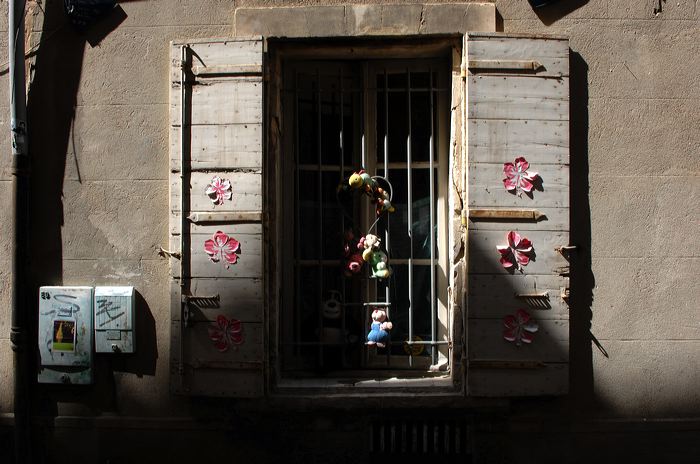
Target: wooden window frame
449, 47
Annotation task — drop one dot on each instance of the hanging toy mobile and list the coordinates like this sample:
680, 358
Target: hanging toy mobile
368, 248
369, 245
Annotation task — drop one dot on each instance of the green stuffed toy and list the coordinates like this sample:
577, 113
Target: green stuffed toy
377, 259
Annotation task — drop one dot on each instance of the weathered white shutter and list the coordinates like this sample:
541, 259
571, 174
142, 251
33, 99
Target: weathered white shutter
222, 110
517, 91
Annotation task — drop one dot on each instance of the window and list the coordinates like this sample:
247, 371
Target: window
390, 117
286, 122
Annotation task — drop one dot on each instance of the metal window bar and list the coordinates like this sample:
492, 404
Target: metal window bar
319, 148
409, 225
297, 217
387, 232
342, 215
431, 231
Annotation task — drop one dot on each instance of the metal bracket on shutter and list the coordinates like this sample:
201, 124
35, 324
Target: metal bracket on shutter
203, 301
173, 254
564, 293
512, 214
228, 70
219, 216
565, 250
505, 65
535, 300
198, 301
563, 271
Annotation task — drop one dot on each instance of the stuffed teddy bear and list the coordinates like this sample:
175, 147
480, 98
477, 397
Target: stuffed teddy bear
353, 264
377, 259
353, 258
379, 263
331, 311
369, 243
379, 331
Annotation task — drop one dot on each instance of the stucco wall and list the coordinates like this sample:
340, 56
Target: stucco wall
100, 193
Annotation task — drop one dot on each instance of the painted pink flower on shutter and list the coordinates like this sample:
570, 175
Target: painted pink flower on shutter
225, 332
219, 190
519, 327
516, 254
222, 246
518, 178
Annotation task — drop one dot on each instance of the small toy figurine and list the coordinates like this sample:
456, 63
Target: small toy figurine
332, 310
353, 258
381, 198
364, 182
379, 331
377, 259
353, 264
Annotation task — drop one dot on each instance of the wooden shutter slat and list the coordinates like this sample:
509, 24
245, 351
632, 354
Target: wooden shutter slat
492, 296
538, 141
483, 243
220, 145
551, 54
243, 105
246, 190
555, 219
509, 115
202, 266
551, 342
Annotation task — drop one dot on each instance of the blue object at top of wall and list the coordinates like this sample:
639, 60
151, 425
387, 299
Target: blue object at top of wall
83, 13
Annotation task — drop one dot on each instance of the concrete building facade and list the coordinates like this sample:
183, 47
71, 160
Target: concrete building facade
100, 120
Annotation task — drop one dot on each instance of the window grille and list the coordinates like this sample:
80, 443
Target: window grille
390, 118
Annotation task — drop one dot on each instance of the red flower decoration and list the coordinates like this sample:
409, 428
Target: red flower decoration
518, 178
519, 327
219, 190
222, 246
516, 253
225, 332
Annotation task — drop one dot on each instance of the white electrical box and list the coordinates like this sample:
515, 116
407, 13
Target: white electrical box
65, 335
114, 319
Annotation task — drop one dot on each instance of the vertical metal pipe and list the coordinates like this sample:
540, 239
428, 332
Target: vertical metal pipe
431, 151
20, 193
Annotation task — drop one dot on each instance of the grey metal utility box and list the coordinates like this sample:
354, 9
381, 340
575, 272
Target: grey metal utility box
114, 320
65, 335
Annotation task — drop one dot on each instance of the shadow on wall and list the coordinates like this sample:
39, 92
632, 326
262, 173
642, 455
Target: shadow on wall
552, 13
143, 361
583, 280
51, 106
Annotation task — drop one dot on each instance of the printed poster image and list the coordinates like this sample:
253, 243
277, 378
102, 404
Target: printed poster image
64, 335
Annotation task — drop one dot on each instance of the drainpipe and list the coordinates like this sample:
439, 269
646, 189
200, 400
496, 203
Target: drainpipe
20, 194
